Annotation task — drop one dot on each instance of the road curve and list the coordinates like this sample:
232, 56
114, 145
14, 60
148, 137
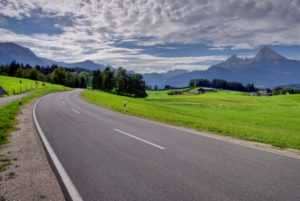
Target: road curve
114, 157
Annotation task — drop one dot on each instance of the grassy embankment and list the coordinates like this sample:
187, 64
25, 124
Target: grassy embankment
14, 85
272, 120
8, 112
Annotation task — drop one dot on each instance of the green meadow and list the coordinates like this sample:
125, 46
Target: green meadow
273, 120
14, 85
8, 112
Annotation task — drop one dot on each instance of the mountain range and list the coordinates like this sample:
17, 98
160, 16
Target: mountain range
266, 69
13, 52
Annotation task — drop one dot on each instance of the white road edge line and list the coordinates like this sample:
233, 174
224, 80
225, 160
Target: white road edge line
76, 111
139, 139
67, 182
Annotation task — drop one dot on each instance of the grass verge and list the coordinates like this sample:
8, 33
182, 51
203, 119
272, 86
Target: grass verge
271, 120
13, 85
9, 112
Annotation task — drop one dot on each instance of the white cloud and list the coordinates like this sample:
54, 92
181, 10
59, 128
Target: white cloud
97, 24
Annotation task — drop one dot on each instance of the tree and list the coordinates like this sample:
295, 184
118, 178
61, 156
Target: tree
59, 76
19, 72
97, 80
137, 86
193, 83
76, 83
69, 79
121, 81
167, 87
219, 84
33, 74
82, 82
222, 84
200, 83
107, 79
13, 67
251, 88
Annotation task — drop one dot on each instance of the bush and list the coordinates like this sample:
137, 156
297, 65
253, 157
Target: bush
172, 93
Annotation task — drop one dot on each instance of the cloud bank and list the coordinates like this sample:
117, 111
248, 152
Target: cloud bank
96, 29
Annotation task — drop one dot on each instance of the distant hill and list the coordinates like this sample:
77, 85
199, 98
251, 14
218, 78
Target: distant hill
13, 52
87, 64
266, 69
161, 79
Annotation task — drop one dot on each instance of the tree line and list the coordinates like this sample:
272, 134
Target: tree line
53, 74
119, 81
284, 91
223, 84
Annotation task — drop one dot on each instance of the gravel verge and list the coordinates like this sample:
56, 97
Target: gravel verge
25, 173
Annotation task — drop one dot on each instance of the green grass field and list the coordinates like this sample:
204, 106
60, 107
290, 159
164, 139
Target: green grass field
8, 112
14, 85
273, 120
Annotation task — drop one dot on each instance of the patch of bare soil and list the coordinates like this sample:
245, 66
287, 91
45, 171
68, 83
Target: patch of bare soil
25, 173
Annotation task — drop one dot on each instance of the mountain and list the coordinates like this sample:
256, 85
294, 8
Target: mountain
268, 55
87, 64
266, 69
161, 79
13, 52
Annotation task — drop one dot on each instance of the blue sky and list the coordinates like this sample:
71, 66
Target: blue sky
151, 35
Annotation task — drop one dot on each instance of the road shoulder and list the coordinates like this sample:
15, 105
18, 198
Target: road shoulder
28, 175
8, 99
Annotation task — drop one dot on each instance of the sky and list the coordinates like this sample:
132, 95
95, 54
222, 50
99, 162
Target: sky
151, 35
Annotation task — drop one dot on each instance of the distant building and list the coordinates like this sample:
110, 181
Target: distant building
202, 90
262, 92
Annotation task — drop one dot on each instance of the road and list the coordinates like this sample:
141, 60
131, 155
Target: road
8, 99
114, 157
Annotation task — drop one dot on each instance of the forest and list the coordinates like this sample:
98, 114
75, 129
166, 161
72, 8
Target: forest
117, 81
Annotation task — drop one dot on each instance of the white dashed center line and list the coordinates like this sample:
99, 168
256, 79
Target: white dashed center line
140, 139
75, 111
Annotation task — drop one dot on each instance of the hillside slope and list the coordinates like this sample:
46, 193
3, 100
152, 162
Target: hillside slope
13, 85
13, 52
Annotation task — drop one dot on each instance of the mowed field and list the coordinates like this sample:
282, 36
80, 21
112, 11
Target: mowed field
8, 112
273, 120
14, 85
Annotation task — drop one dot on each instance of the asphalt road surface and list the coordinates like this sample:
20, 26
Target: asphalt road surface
8, 99
114, 157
